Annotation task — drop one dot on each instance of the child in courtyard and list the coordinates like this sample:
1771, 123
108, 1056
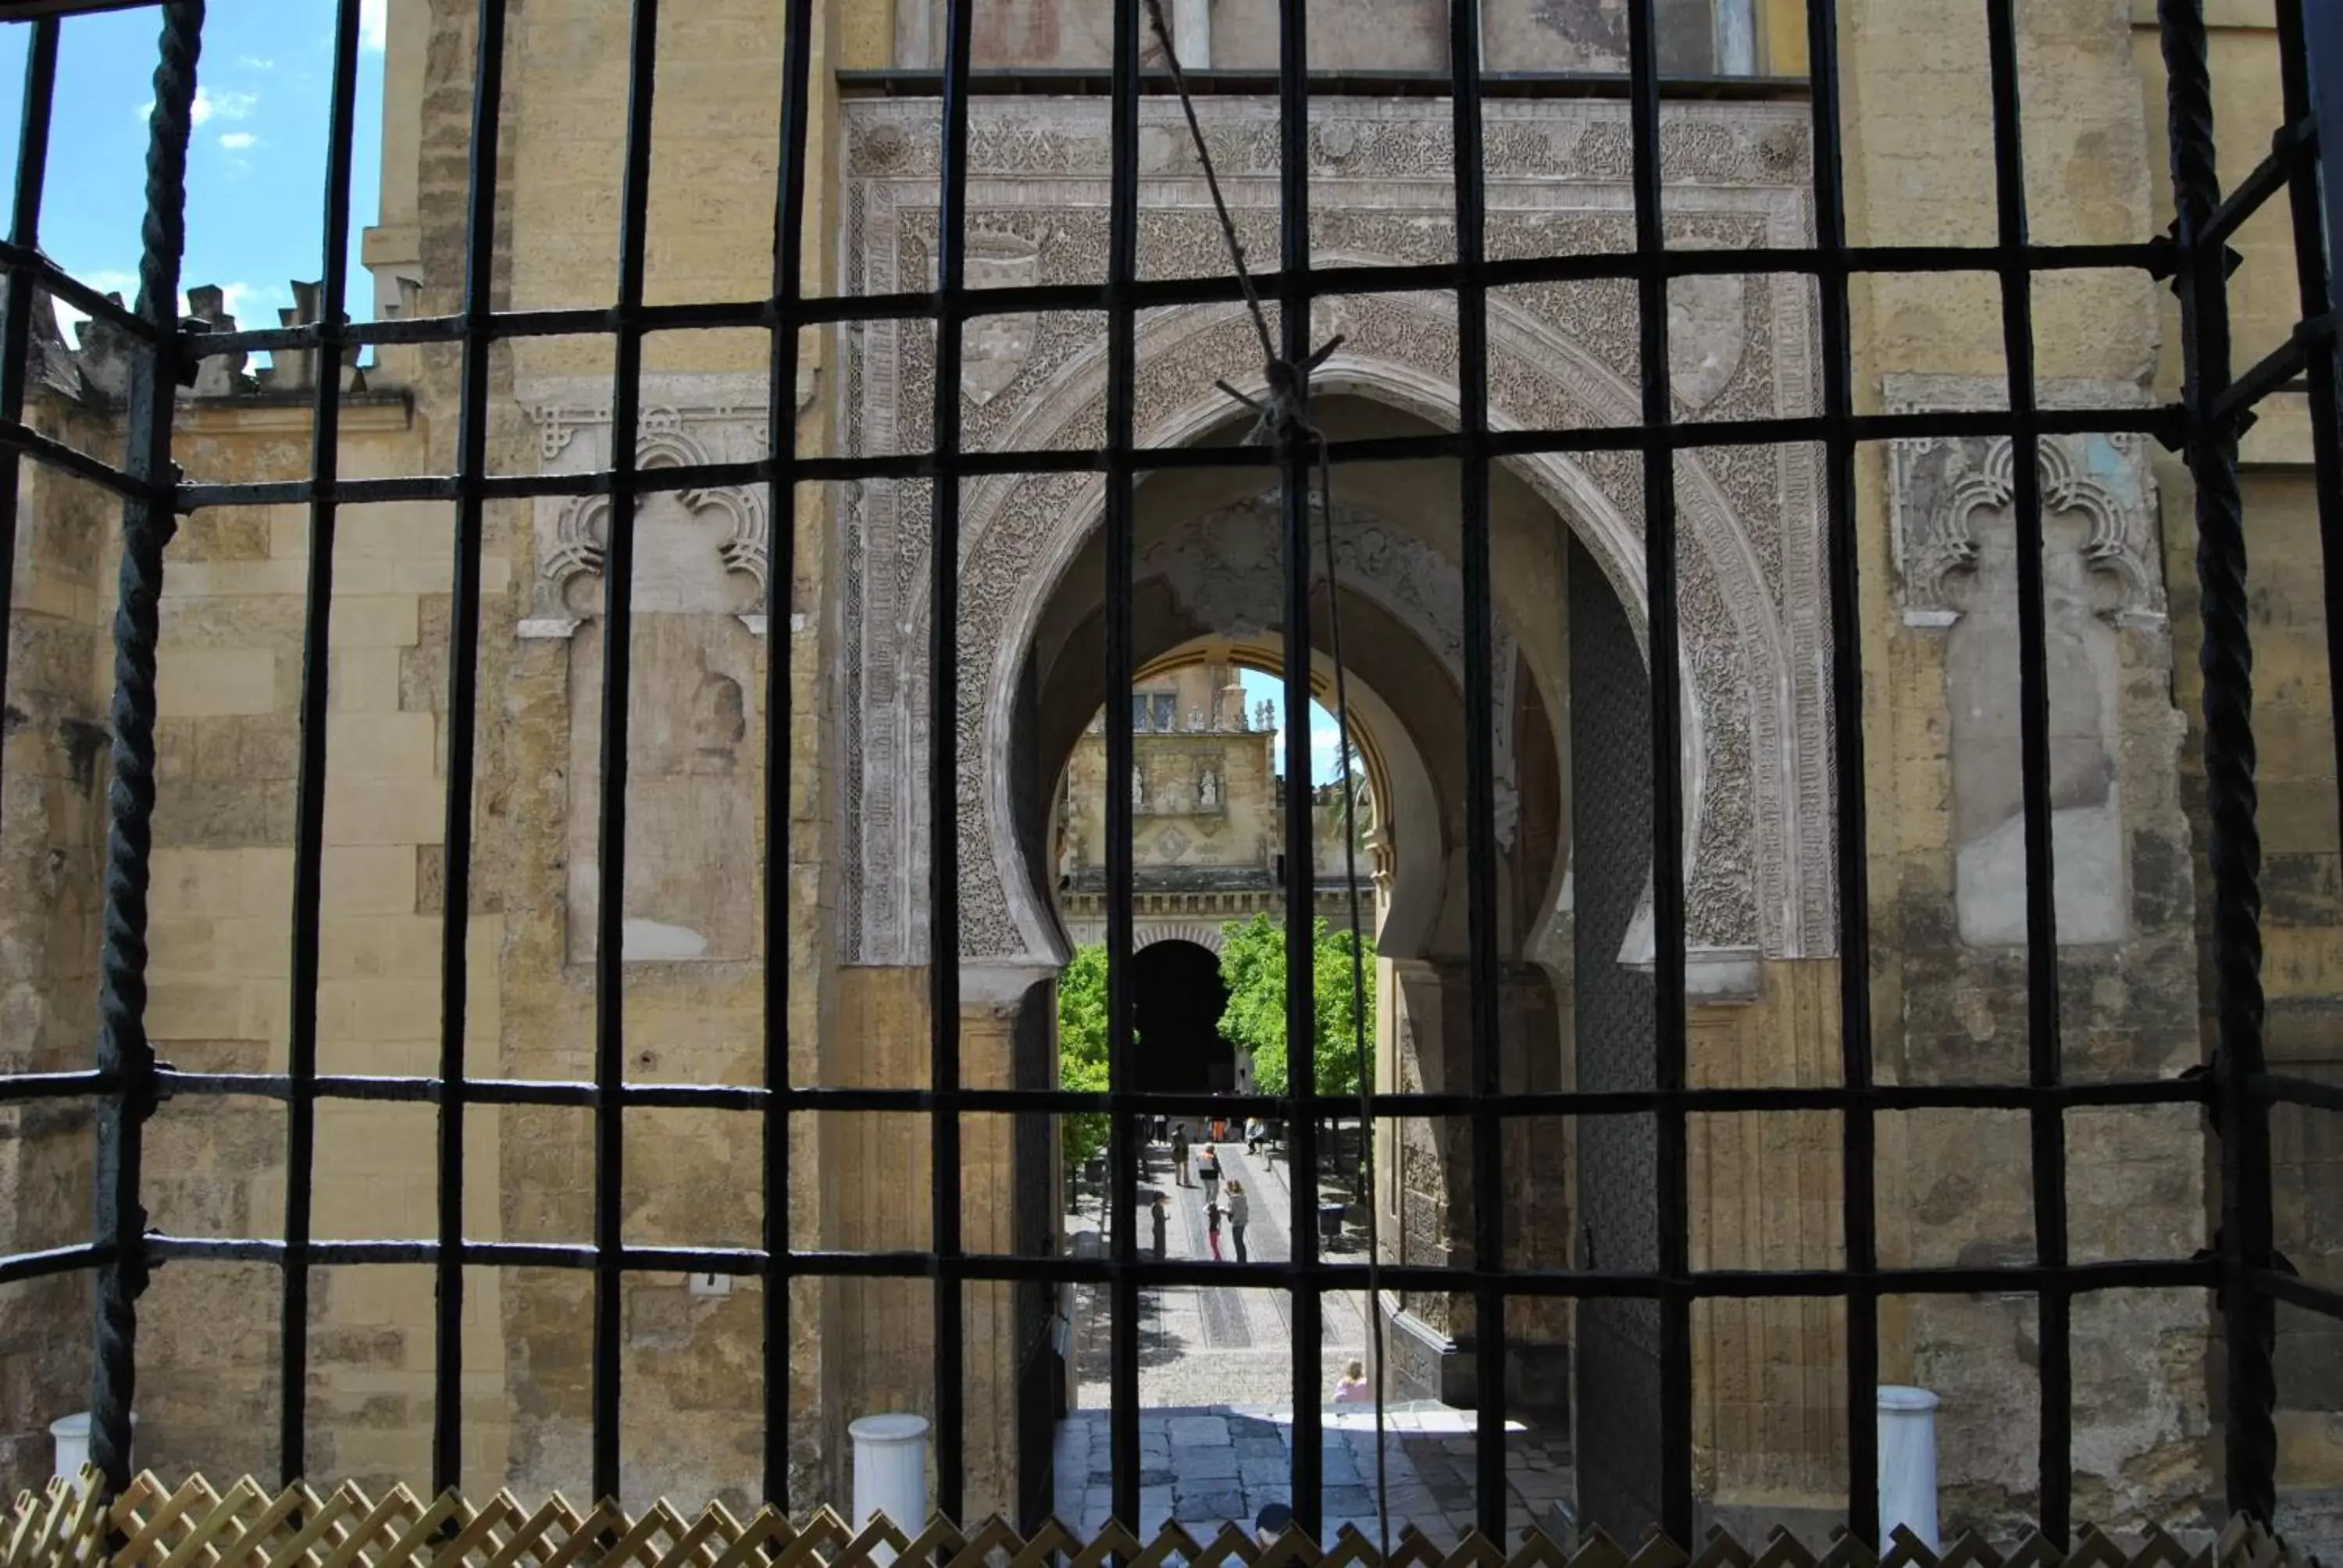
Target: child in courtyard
1353, 1389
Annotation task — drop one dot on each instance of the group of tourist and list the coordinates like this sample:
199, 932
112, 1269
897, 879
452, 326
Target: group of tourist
1231, 1211
1235, 1213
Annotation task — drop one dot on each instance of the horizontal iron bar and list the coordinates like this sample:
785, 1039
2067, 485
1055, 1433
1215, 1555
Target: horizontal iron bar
34, 10
1036, 82
2293, 1088
2324, 1300
58, 282
2153, 257
2287, 144
80, 465
2276, 370
1005, 1101
15, 1087
22, 1266
1323, 1276
1451, 444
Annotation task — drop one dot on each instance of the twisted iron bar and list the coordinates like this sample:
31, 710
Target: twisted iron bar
2226, 661
123, 1047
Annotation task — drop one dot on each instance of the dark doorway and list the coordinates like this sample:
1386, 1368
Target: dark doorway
1178, 996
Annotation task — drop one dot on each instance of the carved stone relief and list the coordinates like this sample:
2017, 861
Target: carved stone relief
1956, 567
700, 593
1751, 586
695, 550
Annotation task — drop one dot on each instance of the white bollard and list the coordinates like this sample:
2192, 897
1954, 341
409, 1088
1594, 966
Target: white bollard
71, 1435
1908, 1463
890, 1473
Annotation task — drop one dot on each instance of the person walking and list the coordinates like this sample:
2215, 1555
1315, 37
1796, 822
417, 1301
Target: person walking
1240, 1210
1180, 1156
1213, 1228
1160, 1212
1353, 1388
1208, 1170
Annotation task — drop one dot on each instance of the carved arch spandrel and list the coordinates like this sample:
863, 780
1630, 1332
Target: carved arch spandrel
1010, 570
1751, 587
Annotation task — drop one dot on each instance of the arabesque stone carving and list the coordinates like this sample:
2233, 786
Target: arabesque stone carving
1750, 590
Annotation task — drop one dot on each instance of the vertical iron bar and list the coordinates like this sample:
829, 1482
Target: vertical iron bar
1668, 781
17, 329
1481, 773
2310, 68
1301, 901
618, 627
1858, 1129
123, 1049
1121, 392
943, 775
780, 647
2244, 1242
2048, 1122
472, 417
309, 825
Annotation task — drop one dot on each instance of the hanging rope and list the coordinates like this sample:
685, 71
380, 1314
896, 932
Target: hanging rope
1282, 417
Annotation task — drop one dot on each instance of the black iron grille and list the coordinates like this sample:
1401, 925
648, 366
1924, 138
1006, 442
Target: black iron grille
2243, 1272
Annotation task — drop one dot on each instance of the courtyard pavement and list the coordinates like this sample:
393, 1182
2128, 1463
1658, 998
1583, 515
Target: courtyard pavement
1216, 1380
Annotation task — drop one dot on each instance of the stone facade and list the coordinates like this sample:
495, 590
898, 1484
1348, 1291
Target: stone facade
837, 578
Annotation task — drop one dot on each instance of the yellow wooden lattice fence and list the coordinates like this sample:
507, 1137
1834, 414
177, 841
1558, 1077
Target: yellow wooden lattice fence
154, 1525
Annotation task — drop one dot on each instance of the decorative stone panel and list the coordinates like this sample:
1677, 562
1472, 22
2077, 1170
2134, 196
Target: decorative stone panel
1955, 532
685, 421
700, 576
1751, 584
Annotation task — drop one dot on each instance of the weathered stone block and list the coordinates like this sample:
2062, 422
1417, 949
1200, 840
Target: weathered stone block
374, 621
196, 682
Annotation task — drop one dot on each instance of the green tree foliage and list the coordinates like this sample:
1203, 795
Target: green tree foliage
1252, 966
1081, 1051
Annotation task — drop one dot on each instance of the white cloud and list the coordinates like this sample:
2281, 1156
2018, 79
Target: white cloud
374, 23
254, 63
237, 141
232, 299
227, 106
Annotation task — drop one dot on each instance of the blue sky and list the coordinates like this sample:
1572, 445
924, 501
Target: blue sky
256, 169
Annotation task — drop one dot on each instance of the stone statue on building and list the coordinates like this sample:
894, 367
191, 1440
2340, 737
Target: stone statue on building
1208, 791
1264, 716
1195, 721
1138, 792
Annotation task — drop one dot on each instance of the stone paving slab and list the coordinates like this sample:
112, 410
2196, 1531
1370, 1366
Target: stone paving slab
1211, 1452
1226, 1463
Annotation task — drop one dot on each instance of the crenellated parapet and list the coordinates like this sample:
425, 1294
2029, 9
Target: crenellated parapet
98, 368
